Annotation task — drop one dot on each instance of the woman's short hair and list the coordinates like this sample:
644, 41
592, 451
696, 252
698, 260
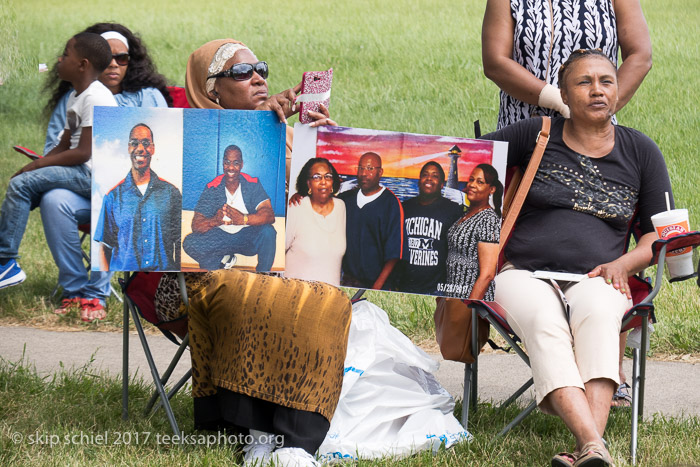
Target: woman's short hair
491, 177
305, 175
577, 55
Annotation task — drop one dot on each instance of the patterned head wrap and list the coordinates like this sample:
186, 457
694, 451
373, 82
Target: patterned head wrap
207, 60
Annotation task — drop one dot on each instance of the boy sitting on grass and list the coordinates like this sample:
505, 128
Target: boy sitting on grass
67, 166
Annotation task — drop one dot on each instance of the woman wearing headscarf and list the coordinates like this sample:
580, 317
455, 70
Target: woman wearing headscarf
225, 74
267, 352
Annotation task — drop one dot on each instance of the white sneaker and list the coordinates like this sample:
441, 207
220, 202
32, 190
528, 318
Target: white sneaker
258, 452
293, 457
229, 261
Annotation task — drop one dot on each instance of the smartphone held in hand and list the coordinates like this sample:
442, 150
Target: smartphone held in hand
27, 152
315, 90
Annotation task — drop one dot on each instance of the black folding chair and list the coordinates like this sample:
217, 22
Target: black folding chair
139, 302
639, 316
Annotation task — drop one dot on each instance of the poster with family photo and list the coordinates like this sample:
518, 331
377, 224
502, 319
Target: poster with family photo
374, 209
187, 190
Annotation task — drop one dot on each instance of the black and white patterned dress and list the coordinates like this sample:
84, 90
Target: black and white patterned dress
463, 257
571, 25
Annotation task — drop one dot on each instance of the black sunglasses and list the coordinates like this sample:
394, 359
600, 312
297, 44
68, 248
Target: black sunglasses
121, 59
243, 71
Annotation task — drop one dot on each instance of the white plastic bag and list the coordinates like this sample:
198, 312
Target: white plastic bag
390, 404
634, 338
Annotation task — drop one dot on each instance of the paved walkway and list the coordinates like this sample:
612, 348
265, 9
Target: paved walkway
671, 387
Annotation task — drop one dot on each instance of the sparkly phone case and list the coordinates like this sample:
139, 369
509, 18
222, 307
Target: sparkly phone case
315, 90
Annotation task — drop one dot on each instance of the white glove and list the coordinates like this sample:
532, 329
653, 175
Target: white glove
550, 97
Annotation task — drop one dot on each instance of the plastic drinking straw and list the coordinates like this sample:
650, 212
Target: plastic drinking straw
668, 202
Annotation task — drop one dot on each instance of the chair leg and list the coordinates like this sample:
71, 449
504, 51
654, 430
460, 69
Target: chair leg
125, 359
635, 405
638, 376
518, 419
523, 356
468, 376
166, 375
154, 370
181, 382
517, 393
643, 363
475, 354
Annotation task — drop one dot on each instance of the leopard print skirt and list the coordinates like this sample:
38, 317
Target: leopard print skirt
279, 340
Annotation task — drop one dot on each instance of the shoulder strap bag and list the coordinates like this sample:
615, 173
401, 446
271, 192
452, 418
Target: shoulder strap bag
453, 318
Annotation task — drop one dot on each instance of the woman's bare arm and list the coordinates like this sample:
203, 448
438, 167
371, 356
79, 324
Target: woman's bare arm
488, 262
497, 51
635, 46
617, 272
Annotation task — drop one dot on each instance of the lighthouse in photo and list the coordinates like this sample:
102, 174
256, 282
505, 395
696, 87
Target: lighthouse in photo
453, 177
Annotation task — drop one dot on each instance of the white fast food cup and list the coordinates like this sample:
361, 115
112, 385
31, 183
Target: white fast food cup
669, 224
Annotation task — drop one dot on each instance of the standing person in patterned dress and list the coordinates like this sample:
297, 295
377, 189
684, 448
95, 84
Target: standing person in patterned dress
473, 240
525, 43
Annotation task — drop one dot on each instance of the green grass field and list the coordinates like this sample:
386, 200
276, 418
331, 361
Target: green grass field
417, 71
411, 66
56, 420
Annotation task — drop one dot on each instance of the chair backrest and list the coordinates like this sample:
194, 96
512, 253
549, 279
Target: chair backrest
179, 97
140, 288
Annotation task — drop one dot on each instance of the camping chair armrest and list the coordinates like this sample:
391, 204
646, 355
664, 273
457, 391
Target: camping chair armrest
688, 239
634, 316
490, 308
659, 249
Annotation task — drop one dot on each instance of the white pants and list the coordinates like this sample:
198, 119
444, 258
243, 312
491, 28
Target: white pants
564, 354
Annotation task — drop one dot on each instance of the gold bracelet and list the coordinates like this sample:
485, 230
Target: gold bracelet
245, 219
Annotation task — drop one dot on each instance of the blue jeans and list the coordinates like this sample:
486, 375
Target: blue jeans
24, 194
61, 213
209, 248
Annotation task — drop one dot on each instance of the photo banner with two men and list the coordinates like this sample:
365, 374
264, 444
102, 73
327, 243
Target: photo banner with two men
194, 189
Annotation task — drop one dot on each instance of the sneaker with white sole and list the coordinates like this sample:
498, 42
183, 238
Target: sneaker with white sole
11, 274
229, 261
293, 457
258, 452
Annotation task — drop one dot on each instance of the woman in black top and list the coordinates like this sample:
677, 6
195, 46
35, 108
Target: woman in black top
592, 178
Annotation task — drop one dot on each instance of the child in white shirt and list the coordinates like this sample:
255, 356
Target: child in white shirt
67, 166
